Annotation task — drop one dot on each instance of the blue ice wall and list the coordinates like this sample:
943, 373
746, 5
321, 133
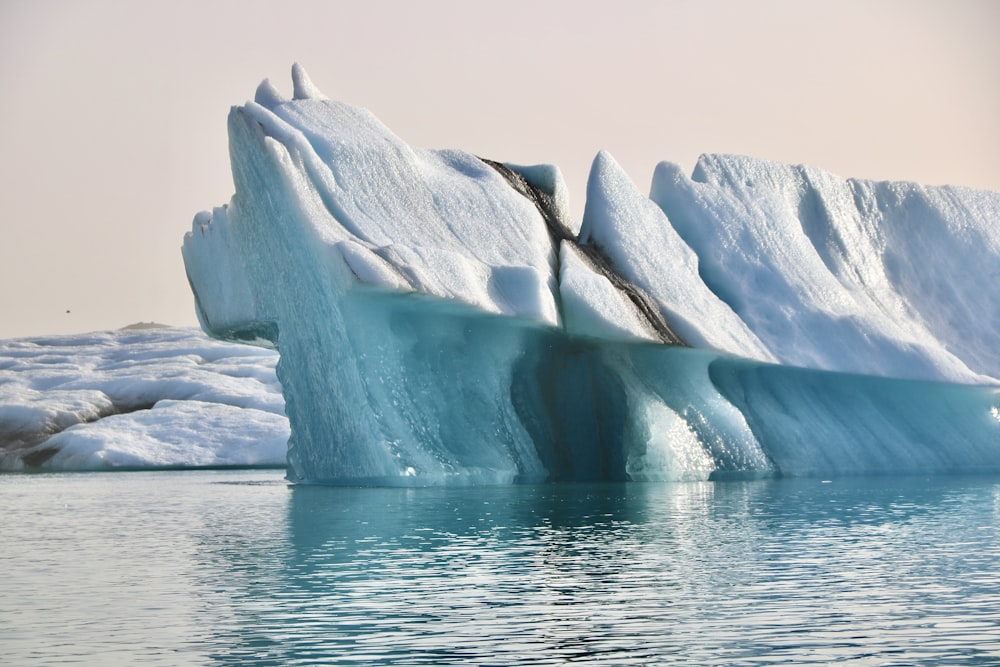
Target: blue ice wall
458, 396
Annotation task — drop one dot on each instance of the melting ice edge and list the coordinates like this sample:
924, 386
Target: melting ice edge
442, 320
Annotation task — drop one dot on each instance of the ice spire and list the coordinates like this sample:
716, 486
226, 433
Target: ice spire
302, 87
267, 95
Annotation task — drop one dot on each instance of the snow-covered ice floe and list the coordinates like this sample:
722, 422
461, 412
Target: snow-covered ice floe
138, 398
442, 320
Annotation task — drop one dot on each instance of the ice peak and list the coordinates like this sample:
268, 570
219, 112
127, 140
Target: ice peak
267, 95
302, 86
603, 171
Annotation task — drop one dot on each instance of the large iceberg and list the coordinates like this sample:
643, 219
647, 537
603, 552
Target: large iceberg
441, 319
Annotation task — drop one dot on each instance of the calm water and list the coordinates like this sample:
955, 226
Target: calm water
239, 568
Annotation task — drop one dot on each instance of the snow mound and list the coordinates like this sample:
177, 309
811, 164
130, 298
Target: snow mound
140, 397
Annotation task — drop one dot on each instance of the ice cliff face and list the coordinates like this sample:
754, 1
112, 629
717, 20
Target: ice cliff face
440, 319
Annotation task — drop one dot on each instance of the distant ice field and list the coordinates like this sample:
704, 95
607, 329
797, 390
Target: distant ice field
145, 398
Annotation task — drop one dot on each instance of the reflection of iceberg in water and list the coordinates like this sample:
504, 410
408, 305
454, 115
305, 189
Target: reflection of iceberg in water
441, 320
610, 573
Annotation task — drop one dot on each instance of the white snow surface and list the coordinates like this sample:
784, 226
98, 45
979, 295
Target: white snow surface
144, 398
446, 222
879, 278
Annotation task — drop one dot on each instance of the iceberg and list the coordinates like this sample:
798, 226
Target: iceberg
138, 398
441, 319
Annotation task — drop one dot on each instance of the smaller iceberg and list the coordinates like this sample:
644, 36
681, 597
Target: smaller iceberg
138, 398
441, 320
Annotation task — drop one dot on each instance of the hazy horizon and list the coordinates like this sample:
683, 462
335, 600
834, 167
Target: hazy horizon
114, 122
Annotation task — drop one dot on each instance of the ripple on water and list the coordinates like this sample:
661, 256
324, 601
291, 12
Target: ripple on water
168, 568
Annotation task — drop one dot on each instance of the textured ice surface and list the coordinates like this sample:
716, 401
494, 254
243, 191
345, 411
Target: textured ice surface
159, 397
636, 237
440, 320
891, 279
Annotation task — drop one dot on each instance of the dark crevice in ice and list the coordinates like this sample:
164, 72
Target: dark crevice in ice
560, 232
643, 304
37, 457
15, 441
543, 201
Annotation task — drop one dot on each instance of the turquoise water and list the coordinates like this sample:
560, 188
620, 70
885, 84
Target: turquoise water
238, 567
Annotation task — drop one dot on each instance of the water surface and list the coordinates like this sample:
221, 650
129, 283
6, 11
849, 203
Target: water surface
238, 567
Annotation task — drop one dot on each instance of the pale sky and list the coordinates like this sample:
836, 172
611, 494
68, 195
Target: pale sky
113, 114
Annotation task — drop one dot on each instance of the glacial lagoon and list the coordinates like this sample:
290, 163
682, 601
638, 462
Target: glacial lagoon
239, 567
